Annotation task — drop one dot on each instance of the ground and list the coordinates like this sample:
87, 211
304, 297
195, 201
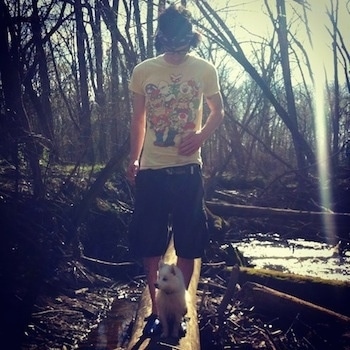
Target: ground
52, 294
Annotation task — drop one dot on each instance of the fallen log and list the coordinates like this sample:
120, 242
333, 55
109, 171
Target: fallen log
231, 287
287, 306
340, 220
191, 340
331, 294
227, 209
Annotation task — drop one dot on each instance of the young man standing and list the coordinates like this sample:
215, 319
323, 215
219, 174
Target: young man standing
166, 135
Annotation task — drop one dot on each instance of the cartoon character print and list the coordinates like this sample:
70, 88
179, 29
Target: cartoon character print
172, 108
157, 112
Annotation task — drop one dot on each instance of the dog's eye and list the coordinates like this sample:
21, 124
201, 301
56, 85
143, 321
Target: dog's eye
165, 279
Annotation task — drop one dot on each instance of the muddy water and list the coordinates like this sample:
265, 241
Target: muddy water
299, 256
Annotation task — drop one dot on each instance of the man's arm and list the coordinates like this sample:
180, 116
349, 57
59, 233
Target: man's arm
193, 141
137, 134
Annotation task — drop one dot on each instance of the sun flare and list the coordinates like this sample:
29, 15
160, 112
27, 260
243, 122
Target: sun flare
323, 158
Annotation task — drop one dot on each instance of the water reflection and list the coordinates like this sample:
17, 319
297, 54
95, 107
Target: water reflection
299, 256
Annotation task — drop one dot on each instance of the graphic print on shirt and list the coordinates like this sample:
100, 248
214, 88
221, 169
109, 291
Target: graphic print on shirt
171, 108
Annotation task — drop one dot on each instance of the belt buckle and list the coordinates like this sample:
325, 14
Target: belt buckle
175, 171
169, 171
181, 170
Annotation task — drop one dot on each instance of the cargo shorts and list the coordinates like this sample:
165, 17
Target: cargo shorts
169, 202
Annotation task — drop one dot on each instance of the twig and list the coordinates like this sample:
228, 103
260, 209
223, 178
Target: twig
230, 290
109, 263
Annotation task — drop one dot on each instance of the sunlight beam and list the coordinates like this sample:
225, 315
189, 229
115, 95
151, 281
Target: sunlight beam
323, 156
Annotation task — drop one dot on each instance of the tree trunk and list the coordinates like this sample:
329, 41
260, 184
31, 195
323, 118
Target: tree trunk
331, 294
96, 72
336, 111
84, 105
42, 104
341, 220
292, 112
150, 30
139, 29
276, 302
120, 68
16, 118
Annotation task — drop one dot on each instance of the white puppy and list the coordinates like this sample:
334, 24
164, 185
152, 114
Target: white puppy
171, 299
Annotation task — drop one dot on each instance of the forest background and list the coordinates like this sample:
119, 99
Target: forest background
65, 105
65, 68
64, 98
65, 112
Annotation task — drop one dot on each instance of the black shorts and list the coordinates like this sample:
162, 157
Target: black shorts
169, 201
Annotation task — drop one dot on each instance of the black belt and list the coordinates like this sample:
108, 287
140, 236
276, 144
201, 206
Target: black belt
181, 170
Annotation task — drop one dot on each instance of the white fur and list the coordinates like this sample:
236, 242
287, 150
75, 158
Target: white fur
170, 298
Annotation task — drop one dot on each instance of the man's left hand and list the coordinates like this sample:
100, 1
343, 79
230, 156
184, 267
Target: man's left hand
190, 143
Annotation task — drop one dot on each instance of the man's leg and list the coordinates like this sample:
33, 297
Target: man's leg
186, 266
151, 267
189, 221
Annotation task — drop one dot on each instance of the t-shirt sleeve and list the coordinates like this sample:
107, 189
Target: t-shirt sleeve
135, 84
211, 86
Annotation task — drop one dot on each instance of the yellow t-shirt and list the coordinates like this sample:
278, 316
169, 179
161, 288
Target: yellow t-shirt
174, 105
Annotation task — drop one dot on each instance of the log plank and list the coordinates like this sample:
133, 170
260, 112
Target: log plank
227, 209
191, 340
329, 222
331, 294
271, 300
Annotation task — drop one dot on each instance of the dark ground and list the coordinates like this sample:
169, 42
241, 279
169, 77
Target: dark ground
52, 296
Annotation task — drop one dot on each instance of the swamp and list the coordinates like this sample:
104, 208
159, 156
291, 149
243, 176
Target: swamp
275, 274
62, 291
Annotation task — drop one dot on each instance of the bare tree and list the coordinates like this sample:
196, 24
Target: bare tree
281, 28
42, 103
150, 28
139, 28
83, 104
333, 13
18, 128
222, 35
74, 62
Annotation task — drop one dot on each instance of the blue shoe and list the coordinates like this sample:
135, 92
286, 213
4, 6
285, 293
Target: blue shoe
152, 326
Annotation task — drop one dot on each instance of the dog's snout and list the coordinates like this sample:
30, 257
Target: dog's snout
156, 285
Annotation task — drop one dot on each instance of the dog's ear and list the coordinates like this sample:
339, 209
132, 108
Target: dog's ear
161, 263
173, 269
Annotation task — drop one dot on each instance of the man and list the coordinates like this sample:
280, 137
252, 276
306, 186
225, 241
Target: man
166, 136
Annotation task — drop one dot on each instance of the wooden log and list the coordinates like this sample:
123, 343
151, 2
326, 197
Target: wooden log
227, 209
191, 340
340, 222
331, 294
231, 287
288, 306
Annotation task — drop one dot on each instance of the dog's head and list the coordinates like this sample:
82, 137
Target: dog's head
170, 278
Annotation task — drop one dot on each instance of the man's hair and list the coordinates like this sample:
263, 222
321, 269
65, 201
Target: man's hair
175, 30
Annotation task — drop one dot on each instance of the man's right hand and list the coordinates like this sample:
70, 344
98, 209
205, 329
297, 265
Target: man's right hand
132, 170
